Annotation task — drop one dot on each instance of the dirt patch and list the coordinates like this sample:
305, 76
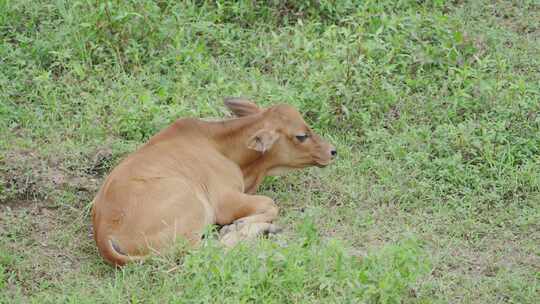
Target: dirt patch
41, 244
44, 214
101, 161
24, 176
27, 176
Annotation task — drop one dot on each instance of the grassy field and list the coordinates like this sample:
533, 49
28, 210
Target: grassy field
434, 106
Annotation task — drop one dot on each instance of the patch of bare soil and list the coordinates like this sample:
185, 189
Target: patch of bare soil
43, 236
41, 245
27, 176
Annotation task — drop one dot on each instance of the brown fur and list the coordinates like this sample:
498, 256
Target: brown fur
196, 173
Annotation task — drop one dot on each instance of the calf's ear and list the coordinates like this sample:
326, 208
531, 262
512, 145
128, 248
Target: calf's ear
241, 106
262, 140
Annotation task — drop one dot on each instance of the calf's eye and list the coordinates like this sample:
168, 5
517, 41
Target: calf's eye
302, 138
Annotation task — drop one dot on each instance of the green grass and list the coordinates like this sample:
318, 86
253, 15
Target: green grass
434, 107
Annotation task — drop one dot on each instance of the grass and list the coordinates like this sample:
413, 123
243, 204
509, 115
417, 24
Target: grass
434, 107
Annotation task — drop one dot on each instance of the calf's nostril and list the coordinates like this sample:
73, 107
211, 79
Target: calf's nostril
333, 152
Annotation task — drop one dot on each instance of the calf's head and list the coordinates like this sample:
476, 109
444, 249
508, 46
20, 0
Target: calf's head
283, 136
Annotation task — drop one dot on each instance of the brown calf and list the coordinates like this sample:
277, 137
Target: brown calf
196, 173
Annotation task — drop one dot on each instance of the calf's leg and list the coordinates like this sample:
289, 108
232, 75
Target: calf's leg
247, 216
